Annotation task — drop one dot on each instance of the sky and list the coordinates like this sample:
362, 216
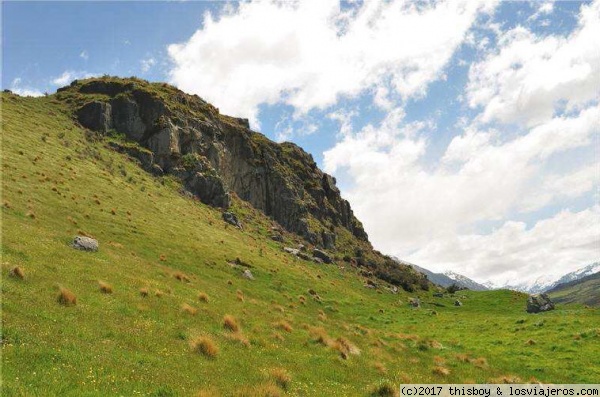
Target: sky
465, 134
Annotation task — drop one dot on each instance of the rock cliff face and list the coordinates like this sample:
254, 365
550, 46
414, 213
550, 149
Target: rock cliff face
215, 154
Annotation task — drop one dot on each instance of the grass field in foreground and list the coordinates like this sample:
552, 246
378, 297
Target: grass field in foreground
351, 341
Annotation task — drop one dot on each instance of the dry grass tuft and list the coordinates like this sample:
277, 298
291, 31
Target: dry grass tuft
441, 371
240, 295
30, 214
302, 299
144, 292
412, 337
203, 297
480, 362
345, 347
284, 325
439, 360
158, 293
463, 357
530, 342
205, 346
278, 336
181, 277
189, 309
506, 379
105, 288
17, 272
319, 335
66, 297
162, 257
230, 323
322, 315
281, 377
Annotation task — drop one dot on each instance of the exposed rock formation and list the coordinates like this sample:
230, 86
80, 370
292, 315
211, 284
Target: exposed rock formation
539, 303
215, 154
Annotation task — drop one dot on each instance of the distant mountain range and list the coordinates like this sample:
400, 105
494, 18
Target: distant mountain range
446, 279
585, 290
545, 283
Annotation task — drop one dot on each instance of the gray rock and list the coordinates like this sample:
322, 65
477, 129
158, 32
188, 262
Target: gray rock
317, 253
248, 274
277, 237
85, 243
415, 302
304, 255
317, 260
292, 251
539, 303
230, 218
438, 294
394, 289
457, 303
96, 116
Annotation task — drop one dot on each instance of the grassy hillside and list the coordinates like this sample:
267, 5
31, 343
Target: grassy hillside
304, 329
585, 291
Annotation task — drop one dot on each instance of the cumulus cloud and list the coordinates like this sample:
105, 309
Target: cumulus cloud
406, 204
309, 54
69, 75
531, 77
514, 252
18, 88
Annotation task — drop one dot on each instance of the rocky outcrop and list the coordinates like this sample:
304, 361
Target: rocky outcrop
539, 303
215, 154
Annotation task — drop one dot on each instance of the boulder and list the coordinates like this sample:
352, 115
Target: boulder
457, 303
85, 243
303, 255
539, 303
317, 253
248, 274
292, 251
317, 260
277, 237
96, 116
230, 218
414, 302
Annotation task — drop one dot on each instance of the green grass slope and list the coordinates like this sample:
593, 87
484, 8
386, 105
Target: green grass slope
350, 341
585, 291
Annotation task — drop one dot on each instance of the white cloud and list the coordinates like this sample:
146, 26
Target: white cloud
84, 55
553, 246
406, 204
70, 75
17, 88
147, 64
309, 54
531, 77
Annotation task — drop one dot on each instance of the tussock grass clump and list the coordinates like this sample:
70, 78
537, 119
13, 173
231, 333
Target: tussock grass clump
188, 309
278, 336
162, 257
438, 370
105, 288
230, 323
480, 362
30, 214
319, 335
144, 292
281, 377
158, 293
530, 342
66, 297
203, 297
284, 325
181, 277
322, 315
385, 389
17, 272
345, 347
302, 299
205, 346
240, 295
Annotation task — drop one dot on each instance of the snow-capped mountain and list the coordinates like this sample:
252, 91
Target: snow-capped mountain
544, 283
446, 279
466, 282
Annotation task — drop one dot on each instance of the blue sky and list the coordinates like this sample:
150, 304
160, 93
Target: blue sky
464, 134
